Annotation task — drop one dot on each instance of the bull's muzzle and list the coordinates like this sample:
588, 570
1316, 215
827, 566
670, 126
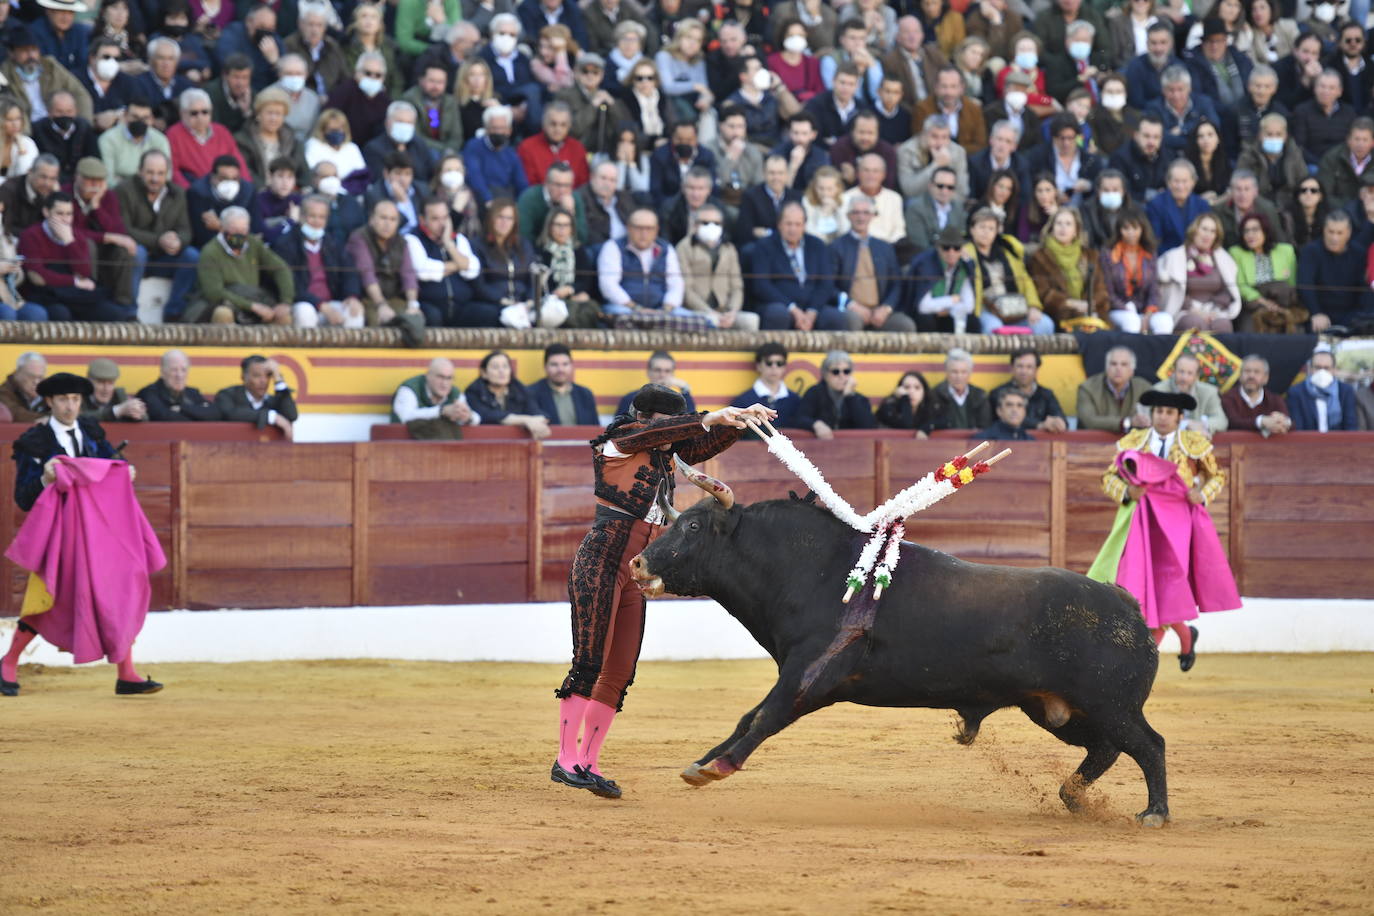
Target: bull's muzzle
649, 584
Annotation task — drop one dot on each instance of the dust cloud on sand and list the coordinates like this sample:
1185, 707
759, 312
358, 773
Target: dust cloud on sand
377, 787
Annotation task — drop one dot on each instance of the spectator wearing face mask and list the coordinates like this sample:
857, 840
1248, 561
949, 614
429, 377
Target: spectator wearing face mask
399, 137
1321, 402
64, 135
302, 101
1014, 108
122, 146
225, 186
493, 168
109, 88
327, 288
713, 282
231, 272
364, 99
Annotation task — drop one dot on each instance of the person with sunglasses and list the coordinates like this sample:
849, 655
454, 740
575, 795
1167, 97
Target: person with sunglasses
1310, 212
197, 141
834, 403
770, 388
109, 88
363, 99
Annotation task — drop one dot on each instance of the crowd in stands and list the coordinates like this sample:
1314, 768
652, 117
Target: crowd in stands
942, 165
433, 406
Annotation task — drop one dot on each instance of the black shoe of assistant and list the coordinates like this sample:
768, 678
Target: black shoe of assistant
601, 786
134, 688
1185, 661
9, 688
577, 779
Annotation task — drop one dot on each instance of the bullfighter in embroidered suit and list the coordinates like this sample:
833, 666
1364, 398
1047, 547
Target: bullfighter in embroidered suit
86, 541
1163, 548
633, 463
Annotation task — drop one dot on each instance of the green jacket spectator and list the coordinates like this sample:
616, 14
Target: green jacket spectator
221, 273
533, 208
414, 31
450, 121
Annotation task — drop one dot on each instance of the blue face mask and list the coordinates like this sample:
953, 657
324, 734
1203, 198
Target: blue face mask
1027, 60
1272, 145
1079, 50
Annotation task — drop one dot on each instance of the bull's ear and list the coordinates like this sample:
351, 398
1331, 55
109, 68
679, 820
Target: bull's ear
731, 521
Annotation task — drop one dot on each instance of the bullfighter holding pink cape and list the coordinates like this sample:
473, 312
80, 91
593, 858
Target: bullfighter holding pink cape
86, 542
1163, 548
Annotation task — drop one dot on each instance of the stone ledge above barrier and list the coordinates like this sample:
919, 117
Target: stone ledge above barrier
39, 334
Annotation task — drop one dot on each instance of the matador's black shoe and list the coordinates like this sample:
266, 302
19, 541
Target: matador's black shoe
9, 688
135, 688
1185, 661
578, 778
606, 788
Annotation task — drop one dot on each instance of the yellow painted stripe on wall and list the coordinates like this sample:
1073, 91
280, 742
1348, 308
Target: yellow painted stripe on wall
357, 381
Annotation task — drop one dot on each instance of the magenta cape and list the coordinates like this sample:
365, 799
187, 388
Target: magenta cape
1172, 561
89, 541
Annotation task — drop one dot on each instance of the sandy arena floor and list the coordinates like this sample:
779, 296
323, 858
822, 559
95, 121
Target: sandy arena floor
413, 787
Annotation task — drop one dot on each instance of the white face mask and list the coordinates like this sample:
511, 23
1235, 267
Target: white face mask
1322, 378
503, 44
293, 83
452, 180
1113, 101
106, 69
402, 132
795, 43
1080, 50
1016, 101
709, 233
331, 185
1325, 12
762, 80
227, 190
370, 86
311, 232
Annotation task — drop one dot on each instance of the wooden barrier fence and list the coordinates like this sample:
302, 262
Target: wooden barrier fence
270, 524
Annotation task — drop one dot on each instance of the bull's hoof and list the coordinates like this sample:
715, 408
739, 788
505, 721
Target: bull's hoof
966, 735
703, 774
1071, 794
692, 776
1151, 819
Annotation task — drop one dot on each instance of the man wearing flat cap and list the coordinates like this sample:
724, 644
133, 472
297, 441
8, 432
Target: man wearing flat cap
1163, 548
98, 215
108, 403
82, 597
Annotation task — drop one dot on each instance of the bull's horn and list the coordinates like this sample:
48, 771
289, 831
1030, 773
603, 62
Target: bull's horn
716, 488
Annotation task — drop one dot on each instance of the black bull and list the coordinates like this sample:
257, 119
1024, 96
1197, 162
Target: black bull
1073, 654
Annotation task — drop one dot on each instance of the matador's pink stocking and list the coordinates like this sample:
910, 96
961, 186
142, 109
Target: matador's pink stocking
595, 723
570, 711
9, 665
127, 671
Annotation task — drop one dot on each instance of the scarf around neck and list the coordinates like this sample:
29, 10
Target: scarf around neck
1068, 257
1332, 398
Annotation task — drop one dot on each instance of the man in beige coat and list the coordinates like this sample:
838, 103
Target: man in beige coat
1108, 399
711, 273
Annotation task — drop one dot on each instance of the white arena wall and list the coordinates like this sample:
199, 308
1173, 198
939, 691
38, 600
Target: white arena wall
678, 630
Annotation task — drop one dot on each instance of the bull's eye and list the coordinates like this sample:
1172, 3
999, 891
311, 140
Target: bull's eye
694, 525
